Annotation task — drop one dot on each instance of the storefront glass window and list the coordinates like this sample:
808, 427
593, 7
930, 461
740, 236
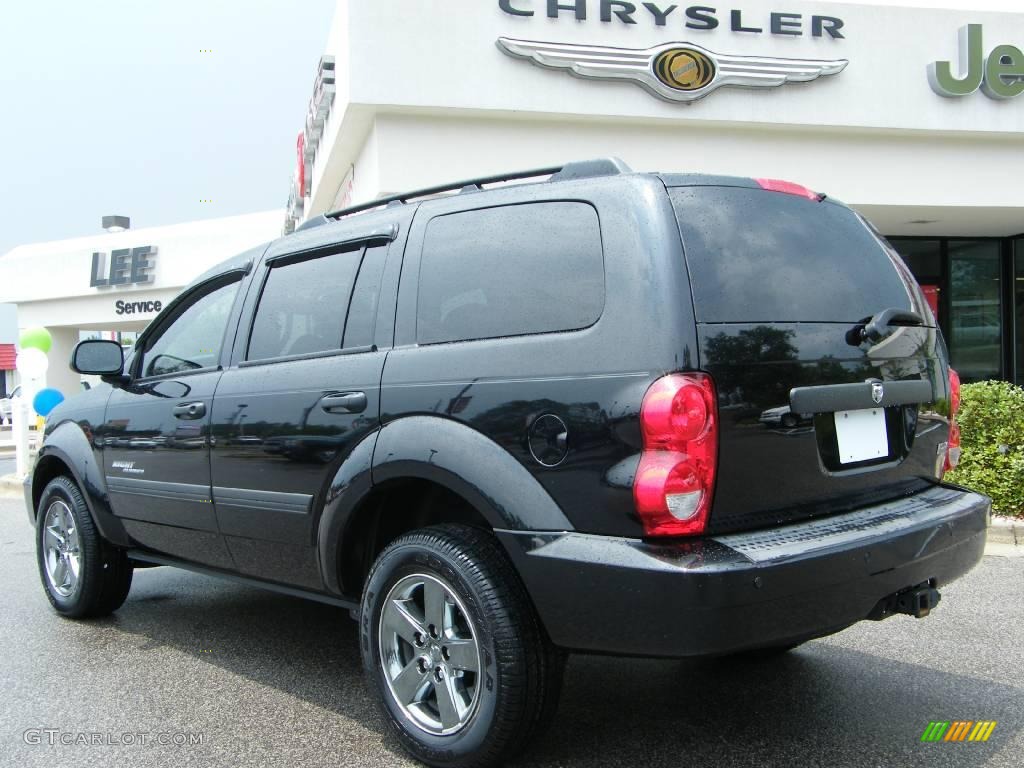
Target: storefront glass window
1018, 304
924, 257
974, 324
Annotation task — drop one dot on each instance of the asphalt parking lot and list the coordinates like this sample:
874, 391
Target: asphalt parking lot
267, 680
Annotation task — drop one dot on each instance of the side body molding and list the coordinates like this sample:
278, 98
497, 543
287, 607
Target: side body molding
68, 444
470, 464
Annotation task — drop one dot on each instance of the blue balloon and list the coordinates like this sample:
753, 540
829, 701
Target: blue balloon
46, 400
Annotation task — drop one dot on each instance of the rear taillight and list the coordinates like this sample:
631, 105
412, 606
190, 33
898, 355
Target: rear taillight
676, 477
953, 442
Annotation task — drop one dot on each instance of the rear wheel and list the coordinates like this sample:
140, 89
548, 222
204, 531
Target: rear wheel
464, 670
82, 574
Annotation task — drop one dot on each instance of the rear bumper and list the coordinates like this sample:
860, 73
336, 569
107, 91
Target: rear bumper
729, 593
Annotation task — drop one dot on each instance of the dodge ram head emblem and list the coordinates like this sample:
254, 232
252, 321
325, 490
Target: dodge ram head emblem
877, 392
680, 72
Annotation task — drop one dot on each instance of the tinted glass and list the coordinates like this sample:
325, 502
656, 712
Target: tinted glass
362, 312
975, 326
302, 307
758, 256
508, 271
193, 339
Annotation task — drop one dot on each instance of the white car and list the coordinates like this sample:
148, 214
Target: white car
783, 417
6, 406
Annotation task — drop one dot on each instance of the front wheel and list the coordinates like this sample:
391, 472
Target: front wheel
450, 640
82, 574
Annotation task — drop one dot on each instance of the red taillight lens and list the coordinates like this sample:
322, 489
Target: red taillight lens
778, 185
676, 477
953, 441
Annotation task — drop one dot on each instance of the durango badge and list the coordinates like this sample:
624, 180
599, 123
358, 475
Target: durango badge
680, 72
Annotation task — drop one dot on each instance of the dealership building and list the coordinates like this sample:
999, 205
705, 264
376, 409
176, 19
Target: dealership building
113, 282
911, 115
914, 116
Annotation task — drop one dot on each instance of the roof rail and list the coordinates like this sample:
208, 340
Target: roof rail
584, 169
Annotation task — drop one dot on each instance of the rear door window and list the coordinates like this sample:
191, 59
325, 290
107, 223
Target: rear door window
362, 312
508, 271
759, 256
303, 306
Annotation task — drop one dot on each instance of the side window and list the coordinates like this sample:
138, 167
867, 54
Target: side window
362, 312
194, 337
302, 307
519, 269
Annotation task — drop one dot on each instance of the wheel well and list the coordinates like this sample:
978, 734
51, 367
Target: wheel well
394, 508
47, 468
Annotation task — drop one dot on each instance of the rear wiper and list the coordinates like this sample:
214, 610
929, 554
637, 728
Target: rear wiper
880, 325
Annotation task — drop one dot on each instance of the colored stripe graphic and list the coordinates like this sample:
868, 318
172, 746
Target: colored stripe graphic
958, 730
983, 730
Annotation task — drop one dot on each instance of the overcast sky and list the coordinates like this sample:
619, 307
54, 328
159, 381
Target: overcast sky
108, 106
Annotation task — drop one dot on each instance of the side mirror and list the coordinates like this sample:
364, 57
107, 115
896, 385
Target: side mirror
98, 357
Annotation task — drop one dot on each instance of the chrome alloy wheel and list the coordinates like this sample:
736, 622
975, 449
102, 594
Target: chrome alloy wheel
61, 549
429, 654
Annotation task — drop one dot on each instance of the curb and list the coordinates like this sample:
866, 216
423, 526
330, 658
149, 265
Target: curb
10, 484
1006, 530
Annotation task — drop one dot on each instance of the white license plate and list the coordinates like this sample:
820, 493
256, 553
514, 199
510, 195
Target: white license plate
861, 435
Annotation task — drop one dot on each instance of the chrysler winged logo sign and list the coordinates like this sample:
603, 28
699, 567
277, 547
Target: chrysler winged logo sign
680, 72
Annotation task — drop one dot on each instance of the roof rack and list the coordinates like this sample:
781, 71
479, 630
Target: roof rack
584, 169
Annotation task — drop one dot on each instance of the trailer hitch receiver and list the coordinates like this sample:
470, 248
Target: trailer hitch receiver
916, 601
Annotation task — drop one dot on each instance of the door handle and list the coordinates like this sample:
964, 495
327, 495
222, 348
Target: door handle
190, 410
345, 402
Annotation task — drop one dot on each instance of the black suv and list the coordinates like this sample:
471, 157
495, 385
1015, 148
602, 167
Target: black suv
518, 420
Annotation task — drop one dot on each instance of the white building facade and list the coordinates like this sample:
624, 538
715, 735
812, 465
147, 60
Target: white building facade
913, 116
116, 281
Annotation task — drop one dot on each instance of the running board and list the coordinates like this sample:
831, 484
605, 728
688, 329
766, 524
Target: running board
152, 559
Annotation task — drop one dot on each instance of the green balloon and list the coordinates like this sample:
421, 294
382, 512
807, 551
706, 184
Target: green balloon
36, 338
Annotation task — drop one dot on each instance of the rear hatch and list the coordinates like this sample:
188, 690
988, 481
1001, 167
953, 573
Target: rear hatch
821, 410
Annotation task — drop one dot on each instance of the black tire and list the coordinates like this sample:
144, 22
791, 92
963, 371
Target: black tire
789, 421
104, 571
521, 672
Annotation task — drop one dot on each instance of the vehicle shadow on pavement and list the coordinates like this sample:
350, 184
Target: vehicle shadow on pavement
303, 648
821, 704
818, 705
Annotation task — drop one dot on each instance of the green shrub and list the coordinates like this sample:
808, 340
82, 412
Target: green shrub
991, 423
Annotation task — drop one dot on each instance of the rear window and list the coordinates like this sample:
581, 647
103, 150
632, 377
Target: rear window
758, 256
509, 271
